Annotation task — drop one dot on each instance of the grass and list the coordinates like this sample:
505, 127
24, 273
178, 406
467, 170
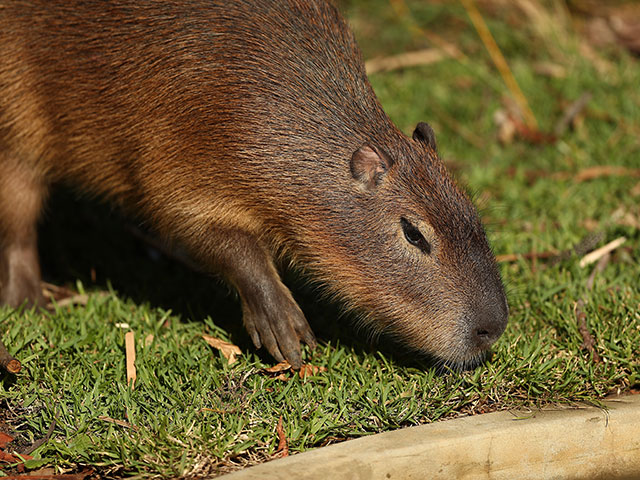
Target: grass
192, 414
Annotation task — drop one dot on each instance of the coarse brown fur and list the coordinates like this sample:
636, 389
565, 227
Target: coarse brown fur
243, 130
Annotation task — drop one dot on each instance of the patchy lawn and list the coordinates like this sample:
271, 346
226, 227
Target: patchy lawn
552, 186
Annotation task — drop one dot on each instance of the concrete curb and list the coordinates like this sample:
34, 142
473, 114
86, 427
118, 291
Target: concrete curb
551, 444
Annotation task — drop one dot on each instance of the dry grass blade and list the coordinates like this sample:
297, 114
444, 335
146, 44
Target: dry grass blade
500, 62
599, 171
404, 60
512, 257
130, 349
401, 9
586, 244
120, 423
551, 23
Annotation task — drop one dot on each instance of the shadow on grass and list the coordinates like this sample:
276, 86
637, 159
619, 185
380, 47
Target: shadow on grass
86, 240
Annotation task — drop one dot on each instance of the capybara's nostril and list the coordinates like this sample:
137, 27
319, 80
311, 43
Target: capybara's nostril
490, 322
482, 333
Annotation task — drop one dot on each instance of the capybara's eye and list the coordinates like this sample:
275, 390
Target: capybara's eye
414, 237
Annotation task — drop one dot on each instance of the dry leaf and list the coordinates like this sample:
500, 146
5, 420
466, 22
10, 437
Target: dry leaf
280, 367
506, 126
621, 216
590, 224
309, 370
626, 26
5, 439
228, 350
283, 446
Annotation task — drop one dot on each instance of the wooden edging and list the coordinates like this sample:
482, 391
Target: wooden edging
585, 442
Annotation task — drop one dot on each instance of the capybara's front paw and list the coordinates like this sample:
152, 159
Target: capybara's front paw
274, 320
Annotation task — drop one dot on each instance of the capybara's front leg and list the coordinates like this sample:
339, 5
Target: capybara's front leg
269, 312
21, 195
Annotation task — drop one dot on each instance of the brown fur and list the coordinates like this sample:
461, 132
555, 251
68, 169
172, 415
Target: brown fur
244, 130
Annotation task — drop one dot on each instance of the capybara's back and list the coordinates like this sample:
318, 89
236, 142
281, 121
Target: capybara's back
244, 130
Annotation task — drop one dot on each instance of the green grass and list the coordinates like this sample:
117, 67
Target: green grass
193, 414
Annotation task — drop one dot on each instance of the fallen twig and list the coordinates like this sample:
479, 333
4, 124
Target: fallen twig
8, 361
61, 296
602, 251
586, 244
130, 352
55, 292
32, 448
588, 341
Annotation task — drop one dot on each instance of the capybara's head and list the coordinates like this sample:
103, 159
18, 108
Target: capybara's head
414, 258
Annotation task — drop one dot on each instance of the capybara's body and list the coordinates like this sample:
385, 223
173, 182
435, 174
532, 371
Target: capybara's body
245, 131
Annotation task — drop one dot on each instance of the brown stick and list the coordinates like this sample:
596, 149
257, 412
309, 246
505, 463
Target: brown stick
585, 245
32, 448
588, 341
601, 252
8, 361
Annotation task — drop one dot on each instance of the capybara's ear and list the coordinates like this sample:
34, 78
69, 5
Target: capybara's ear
424, 134
369, 165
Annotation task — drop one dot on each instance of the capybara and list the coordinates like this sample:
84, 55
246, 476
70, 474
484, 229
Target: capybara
245, 131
